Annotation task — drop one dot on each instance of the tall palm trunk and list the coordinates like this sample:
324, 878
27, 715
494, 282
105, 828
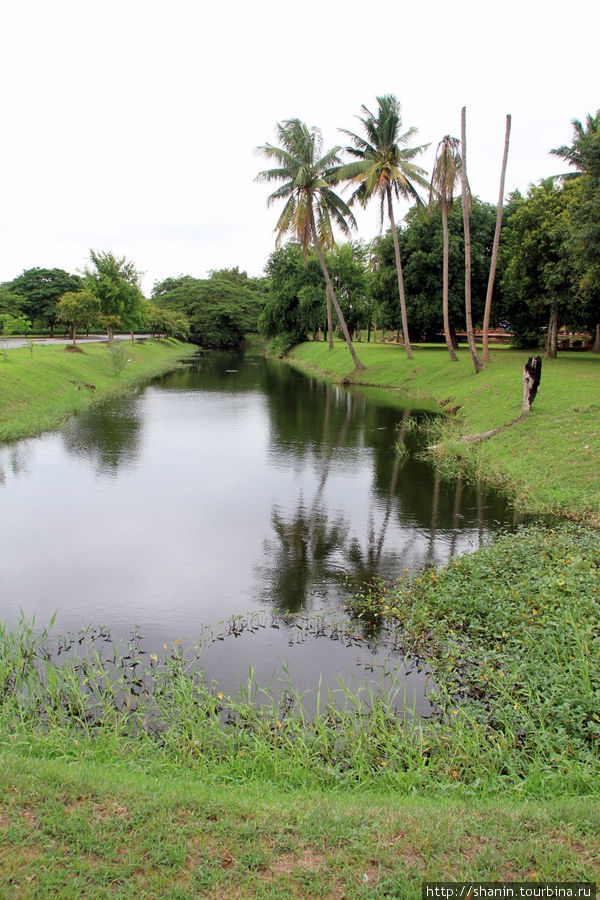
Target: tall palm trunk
495, 245
467, 226
445, 282
334, 299
409, 353
329, 322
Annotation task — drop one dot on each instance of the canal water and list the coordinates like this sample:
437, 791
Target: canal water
214, 500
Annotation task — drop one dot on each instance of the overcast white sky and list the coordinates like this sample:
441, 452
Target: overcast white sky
131, 125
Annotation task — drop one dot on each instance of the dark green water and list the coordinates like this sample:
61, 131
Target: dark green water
235, 486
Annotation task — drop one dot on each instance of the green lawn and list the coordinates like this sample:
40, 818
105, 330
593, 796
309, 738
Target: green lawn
96, 832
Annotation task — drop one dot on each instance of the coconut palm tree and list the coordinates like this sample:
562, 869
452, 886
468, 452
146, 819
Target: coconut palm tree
584, 152
466, 211
446, 170
383, 166
311, 205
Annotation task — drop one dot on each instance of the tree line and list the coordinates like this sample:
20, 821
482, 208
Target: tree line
215, 312
430, 277
432, 274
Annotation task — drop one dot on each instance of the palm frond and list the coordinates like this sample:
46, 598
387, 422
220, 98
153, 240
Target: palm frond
308, 177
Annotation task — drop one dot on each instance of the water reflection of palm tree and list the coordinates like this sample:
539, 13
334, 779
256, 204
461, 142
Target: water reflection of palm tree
435, 509
367, 564
306, 544
456, 516
340, 441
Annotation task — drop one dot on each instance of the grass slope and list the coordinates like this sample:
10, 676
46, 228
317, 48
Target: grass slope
548, 463
39, 392
72, 831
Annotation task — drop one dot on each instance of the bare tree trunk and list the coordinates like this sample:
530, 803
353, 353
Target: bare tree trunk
495, 245
334, 299
596, 344
532, 375
73, 335
409, 353
445, 281
329, 322
466, 203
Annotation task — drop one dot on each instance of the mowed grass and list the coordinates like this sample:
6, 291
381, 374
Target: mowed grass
38, 392
548, 463
74, 831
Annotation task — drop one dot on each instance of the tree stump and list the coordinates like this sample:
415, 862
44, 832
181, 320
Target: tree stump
532, 375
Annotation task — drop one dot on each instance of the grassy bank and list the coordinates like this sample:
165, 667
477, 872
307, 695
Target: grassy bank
38, 392
548, 463
126, 775
71, 831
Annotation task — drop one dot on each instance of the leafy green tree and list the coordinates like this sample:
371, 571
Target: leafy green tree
296, 302
585, 247
10, 325
78, 309
311, 205
347, 264
115, 282
539, 279
384, 167
220, 311
40, 290
10, 302
297, 305
584, 155
162, 322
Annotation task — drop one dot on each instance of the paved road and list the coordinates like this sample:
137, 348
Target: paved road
49, 342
